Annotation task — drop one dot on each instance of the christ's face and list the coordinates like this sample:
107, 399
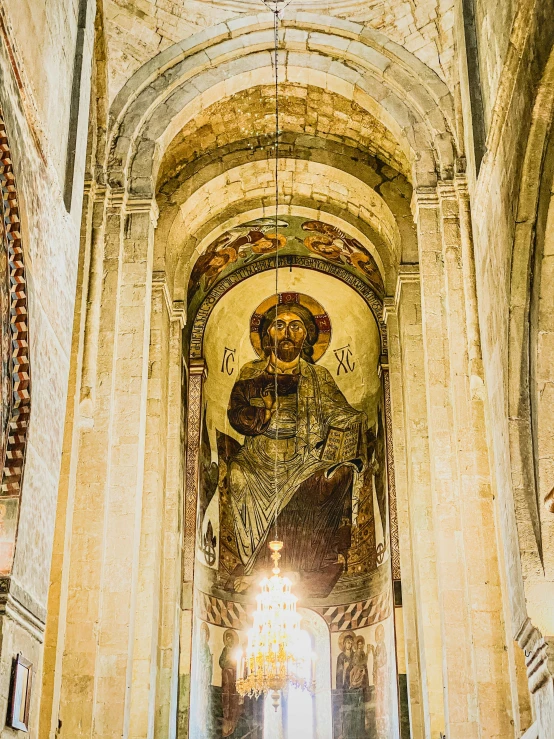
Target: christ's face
287, 333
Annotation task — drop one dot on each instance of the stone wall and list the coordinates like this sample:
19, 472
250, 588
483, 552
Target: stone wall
52, 28
115, 597
515, 45
493, 23
36, 72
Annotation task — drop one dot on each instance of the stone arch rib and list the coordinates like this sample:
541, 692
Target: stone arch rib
365, 64
16, 365
522, 438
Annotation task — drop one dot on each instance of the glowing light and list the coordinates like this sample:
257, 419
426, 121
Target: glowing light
279, 652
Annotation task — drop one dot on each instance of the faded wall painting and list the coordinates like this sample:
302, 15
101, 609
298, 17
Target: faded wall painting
218, 710
258, 239
363, 691
293, 446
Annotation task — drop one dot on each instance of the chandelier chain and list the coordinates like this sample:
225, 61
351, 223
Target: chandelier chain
276, 41
278, 651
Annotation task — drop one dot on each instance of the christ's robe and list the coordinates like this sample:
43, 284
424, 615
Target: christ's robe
278, 473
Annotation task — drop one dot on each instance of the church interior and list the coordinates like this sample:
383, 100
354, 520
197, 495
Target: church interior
277, 333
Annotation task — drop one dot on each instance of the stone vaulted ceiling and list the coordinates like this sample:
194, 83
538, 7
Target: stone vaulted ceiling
140, 29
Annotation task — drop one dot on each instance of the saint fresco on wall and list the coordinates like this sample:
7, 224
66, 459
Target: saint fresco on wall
306, 467
333, 244
219, 711
362, 685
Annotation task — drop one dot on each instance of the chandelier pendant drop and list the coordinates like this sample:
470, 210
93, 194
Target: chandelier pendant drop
278, 654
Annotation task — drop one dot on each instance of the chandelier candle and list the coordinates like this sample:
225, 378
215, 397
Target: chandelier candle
279, 652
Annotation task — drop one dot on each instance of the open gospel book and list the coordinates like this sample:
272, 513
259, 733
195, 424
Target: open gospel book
341, 445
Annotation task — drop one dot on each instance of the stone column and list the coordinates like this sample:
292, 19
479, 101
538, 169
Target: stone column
158, 588
409, 611
519, 690
120, 597
92, 232
85, 533
475, 667
418, 549
165, 721
103, 585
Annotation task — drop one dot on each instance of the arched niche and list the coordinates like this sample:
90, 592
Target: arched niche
530, 378
386, 223
345, 587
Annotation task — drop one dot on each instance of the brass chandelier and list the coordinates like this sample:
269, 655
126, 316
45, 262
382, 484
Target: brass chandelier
279, 652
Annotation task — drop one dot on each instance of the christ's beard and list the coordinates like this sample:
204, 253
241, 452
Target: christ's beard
288, 351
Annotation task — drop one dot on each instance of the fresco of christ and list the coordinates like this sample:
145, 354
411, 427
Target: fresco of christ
285, 405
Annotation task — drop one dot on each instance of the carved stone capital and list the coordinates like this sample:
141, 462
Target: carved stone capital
175, 308
19, 606
539, 655
143, 205
446, 190
407, 273
424, 197
389, 309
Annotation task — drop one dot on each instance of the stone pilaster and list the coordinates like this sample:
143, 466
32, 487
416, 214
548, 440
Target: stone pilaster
409, 607
170, 622
94, 211
103, 587
120, 596
416, 510
146, 629
475, 667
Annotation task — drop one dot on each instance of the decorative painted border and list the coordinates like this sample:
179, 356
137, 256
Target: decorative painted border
232, 615
263, 265
357, 615
20, 401
194, 417
393, 509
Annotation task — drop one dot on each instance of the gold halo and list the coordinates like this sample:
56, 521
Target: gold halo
358, 638
317, 311
234, 634
343, 636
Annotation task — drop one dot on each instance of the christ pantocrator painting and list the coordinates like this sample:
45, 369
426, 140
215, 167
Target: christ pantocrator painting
302, 448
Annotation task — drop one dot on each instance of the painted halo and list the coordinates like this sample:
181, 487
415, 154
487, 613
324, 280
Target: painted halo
234, 636
359, 638
343, 636
317, 311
